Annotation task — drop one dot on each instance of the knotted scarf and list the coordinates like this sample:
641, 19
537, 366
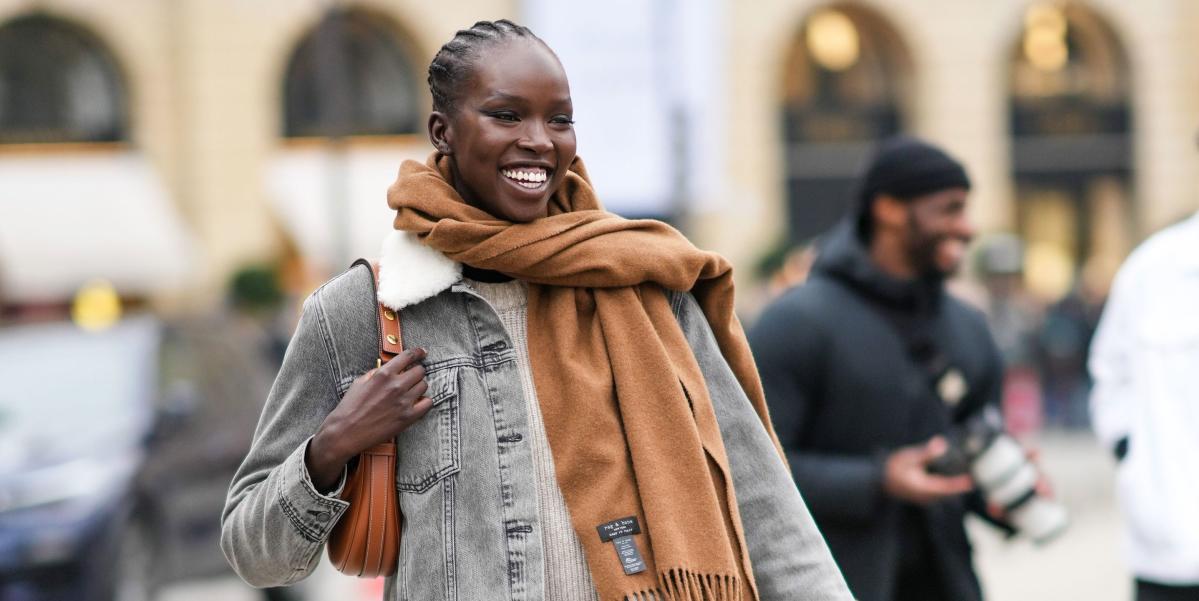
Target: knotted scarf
629, 420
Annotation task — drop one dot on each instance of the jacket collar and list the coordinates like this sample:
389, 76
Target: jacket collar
410, 272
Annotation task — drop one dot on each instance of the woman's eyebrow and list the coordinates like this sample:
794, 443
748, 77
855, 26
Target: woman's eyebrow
501, 96
504, 97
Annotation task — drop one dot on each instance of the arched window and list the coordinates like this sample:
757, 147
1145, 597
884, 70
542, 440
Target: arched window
350, 76
847, 81
58, 84
1071, 146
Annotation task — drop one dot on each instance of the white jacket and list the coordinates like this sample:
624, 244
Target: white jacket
1145, 362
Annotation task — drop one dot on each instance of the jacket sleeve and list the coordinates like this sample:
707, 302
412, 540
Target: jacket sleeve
275, 522
787, 347
790, 558
1112, 394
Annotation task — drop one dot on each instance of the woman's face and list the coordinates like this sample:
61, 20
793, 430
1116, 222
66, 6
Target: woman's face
510, 137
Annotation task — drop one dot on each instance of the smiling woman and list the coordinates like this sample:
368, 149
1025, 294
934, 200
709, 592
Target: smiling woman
577, 415
508, 130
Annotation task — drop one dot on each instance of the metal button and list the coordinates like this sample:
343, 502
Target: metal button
323, 516
389, 315
391, 339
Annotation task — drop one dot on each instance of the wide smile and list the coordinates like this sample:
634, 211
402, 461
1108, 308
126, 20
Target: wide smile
950, 251
533, 179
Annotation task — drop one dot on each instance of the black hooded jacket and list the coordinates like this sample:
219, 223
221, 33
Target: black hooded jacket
844, 360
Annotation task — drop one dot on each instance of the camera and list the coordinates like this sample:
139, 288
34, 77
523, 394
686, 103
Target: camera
1002, 471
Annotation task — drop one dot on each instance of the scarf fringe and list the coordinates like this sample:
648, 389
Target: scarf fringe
678, 584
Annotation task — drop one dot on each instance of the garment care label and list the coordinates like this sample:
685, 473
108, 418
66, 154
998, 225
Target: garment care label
630, 557
620, 533
622, 527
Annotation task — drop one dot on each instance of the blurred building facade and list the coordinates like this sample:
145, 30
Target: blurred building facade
239, 113
258, 131
1077, 120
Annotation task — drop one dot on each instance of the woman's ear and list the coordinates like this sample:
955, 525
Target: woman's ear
440, 134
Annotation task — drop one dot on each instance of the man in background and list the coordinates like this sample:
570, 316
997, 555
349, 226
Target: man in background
1145, 408
869, 363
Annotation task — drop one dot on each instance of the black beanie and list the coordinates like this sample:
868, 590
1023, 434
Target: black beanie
905, 168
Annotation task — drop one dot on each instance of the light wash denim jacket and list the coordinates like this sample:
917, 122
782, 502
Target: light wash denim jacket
465, 472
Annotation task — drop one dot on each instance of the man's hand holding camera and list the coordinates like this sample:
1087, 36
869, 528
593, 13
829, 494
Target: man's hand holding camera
906, 475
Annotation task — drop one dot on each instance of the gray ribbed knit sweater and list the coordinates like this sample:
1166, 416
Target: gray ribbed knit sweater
567, 577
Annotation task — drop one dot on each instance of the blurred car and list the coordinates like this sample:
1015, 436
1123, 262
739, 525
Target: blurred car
116, 450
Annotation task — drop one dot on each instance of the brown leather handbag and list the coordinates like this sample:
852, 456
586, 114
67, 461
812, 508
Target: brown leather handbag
366, 540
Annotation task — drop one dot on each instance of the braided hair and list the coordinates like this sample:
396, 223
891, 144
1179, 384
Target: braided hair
452, 64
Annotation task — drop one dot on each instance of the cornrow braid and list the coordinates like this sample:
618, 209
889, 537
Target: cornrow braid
452, 64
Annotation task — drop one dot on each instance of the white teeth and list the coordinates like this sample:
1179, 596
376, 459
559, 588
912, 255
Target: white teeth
523, 176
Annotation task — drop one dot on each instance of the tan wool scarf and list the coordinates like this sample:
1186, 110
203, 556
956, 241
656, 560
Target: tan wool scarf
627, 413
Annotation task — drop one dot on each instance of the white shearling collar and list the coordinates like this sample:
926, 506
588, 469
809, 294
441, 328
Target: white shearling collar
410, 272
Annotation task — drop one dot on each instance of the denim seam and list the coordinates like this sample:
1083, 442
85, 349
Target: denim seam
401, 589
517, 561
293, 515
452, 407
327, 503
326, 338
450, 551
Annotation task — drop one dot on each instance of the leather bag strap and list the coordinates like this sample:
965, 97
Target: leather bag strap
390, 341
365, 542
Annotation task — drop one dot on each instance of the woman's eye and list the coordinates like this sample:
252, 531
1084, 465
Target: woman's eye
562, 120
510, 117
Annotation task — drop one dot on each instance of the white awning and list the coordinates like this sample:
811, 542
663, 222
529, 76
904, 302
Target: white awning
334, 203
66, 219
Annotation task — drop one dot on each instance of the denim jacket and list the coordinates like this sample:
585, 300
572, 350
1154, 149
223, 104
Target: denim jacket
464, 473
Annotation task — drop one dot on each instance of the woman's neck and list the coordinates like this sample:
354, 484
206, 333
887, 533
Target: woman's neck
484, 275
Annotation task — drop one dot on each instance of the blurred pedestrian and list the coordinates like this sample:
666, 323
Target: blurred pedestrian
1015, 318
577, 414
1145, 408
1065, 341
869, 363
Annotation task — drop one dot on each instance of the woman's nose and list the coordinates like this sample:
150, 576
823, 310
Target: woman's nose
535, 138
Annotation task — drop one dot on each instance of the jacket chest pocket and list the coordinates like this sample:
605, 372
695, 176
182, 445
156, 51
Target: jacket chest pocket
428, 451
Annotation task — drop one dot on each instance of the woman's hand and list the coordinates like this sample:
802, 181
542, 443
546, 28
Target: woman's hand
378, 406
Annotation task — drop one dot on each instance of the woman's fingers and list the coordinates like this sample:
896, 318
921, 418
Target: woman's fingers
418, 409
388, 399
402, 361
405, 380
413, 387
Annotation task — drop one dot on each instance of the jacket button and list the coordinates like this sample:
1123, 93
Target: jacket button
323, 516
